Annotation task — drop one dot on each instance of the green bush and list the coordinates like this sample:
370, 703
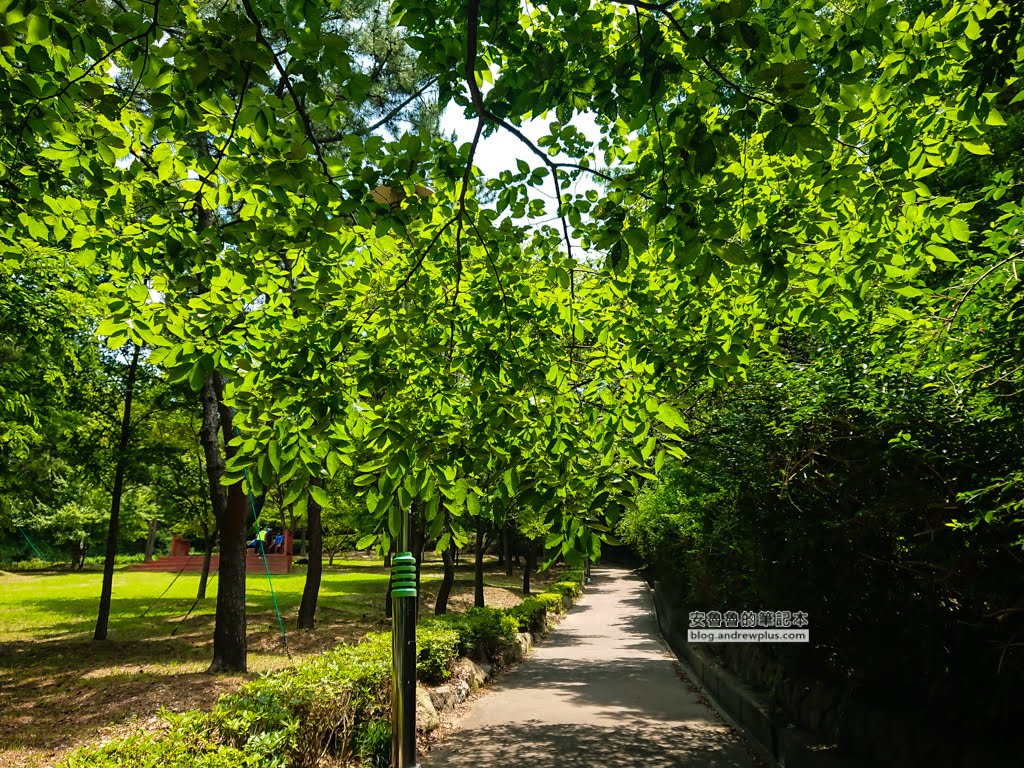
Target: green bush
482, 631
437, 647
35, 564
570, 589
186, 743
552, 601
119, 559
531, 615
288, 718
373, 743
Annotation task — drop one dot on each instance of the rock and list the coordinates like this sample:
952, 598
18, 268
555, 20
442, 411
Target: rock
474, 674
525, 640
510, 652
426, 716
444, 697
461, 691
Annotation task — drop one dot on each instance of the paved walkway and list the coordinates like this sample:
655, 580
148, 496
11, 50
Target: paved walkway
600, 692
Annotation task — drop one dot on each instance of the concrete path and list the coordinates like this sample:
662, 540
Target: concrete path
600, 692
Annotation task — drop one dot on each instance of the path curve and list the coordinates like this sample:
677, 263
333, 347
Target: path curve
602, 691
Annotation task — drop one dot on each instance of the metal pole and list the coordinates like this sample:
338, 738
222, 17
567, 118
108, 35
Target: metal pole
403, 638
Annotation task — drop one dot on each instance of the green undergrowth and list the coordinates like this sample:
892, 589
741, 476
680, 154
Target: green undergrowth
336, 704
37, 564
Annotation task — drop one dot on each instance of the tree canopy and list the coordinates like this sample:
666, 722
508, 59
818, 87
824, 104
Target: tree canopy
257, 192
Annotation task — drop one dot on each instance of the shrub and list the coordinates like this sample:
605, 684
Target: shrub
186, 743
531, 615
288, 718
437, 647
35, 564
373, 743
119, 559
570, 589
482, 631
552, 601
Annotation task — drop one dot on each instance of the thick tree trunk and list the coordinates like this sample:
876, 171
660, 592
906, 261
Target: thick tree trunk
230, 511
478, 567
150, 541
115, 500
314, 571
447, 581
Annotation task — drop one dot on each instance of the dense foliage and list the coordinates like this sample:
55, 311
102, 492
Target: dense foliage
782, 268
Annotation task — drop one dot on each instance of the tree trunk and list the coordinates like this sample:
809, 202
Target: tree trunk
530, 559
208, 542
78, 555
150, 541
229, 642
448, 581
115, 499
506, 547
314, 571
478, 567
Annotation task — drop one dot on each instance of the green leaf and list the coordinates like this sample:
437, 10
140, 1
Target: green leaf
812, 138
976, 147
941, 252
319, 495
197, 376
333, 463
38, 29
959, 229
670, 417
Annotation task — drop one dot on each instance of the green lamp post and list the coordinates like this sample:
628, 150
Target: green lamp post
403, 639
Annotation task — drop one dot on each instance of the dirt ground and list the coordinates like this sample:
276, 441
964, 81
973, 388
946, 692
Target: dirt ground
56, 695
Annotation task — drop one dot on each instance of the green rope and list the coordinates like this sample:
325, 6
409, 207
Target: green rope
266, 563
38, 553
165, 590
194, 604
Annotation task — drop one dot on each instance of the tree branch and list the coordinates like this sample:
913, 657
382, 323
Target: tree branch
303, 115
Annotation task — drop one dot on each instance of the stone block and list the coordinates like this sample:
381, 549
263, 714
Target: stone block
426, 716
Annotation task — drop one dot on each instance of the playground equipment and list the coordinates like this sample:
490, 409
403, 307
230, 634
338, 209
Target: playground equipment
183, 559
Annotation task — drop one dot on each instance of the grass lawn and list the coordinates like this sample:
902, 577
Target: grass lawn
59, 688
